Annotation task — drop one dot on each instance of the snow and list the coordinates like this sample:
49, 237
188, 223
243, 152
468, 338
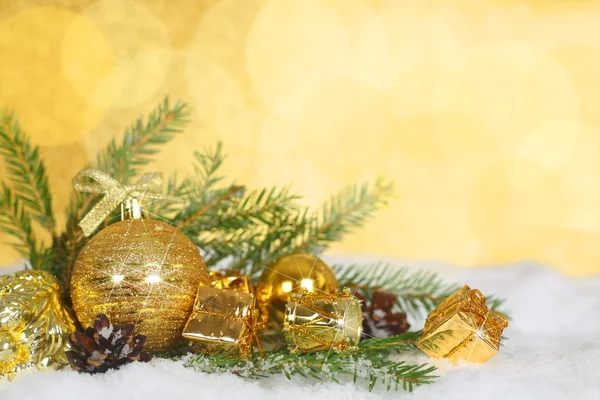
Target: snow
553, 352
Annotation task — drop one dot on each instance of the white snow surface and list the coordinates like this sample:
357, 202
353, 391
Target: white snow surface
553, 352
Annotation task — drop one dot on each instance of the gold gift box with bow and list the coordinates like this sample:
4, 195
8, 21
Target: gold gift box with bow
462, 327
224, 321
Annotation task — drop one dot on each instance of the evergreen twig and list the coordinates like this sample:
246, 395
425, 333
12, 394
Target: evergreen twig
419, 292
26, 171
370, 364
15, 221
301, 231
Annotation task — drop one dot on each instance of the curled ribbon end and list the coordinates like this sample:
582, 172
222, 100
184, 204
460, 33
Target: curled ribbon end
86, 228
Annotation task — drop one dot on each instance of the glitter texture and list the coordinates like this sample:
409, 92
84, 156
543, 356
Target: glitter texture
158, 271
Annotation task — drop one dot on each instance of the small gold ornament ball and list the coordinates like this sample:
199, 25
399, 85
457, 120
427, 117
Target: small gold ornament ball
139, 271
292, 273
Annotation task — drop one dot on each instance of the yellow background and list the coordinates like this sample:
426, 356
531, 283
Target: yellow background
486, 113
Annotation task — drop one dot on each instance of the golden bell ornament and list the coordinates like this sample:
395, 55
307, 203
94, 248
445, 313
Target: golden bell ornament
34, 324
293, 273
316, 321
136, 271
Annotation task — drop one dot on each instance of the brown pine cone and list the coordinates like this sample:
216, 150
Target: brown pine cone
379, 318
105, 346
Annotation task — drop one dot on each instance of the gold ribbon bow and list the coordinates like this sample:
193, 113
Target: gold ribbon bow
146, 187
493, 323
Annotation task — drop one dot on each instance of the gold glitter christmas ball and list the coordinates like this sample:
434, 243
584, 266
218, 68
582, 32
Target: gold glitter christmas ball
139, 271
291, 273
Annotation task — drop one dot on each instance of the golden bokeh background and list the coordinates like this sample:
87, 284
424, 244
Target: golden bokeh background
485, 113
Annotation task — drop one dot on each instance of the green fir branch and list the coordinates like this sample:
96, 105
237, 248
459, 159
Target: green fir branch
16, 222
397, 343
141, 141
419, 292
26, 172
298, 230
347, 210
373, 367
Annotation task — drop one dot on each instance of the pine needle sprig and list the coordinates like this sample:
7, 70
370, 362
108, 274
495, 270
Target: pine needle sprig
204, 200
26, 171
141, 141
299, 230
419, 292
396, 343
258, 206
373, 367
16, 222
347, 210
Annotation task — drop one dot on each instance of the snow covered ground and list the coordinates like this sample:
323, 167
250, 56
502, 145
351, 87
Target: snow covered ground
553, 352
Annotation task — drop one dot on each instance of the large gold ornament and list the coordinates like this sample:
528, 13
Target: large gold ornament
462, 327
137, 271
34, 324
317, 321
292, 273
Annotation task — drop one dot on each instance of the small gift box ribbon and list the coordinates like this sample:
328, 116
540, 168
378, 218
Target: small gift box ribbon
146, 186
487, 320
492, 322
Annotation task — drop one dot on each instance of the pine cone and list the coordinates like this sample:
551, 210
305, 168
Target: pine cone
379, 318
105, 346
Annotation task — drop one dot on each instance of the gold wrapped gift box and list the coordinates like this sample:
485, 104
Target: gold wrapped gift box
224, 321
462, 327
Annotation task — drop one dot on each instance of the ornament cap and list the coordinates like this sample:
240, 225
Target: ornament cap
132, 209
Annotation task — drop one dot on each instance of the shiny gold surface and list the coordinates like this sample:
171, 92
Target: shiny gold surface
231, 280
139, 271
292, 273
463, 327
315, 321
34, 324
224, 321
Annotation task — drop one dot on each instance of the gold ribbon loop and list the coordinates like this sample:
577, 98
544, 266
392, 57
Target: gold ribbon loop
146, 187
